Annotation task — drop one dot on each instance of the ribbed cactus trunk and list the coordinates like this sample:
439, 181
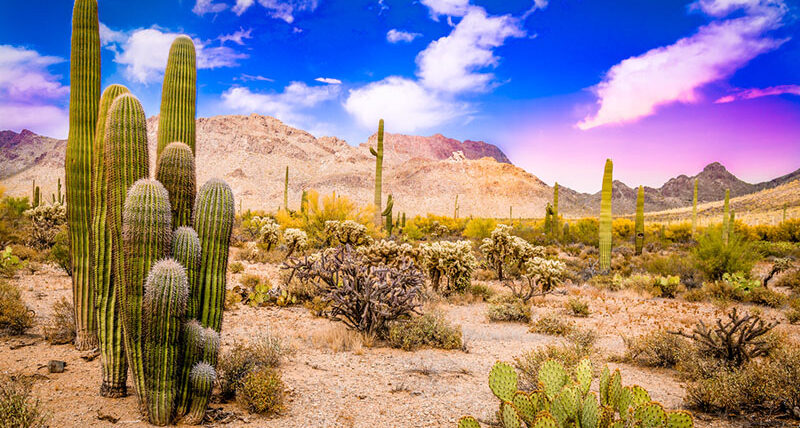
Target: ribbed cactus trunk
732, 224
176, 171
37, 197
726, 216
511, 212
556, 220
84, 101
202, 380
605, 218
304, 202
387, 214
163, 314
146, 238
378, 172
213, 221
286, 190
455, 209
178, 96
694, 209
109, 325
639, 227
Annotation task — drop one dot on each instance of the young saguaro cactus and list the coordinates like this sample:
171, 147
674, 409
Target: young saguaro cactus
605, 218
455, 208
146, 238
163, 313
84, 100
694, 209
178, 96
202, 378
176, 171
726, 216
639, 228
378, 153
213, 221
123, 147
387, 213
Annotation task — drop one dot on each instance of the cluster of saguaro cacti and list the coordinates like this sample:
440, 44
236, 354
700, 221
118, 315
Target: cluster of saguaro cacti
694, 209
726, 217
639, 226
378, 153
58, 197
564, 400
176, 171
605, 217
178, 96
387, 214
84, 100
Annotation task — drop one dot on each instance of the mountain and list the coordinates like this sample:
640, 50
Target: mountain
423, 173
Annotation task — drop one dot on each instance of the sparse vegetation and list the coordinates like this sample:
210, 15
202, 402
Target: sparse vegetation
15, 316
552, 324
60, 328
262, 391
428, 330
18, 409
266, 351
507, 307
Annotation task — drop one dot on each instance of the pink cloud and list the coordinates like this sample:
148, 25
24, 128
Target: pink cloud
637, 86
749, 94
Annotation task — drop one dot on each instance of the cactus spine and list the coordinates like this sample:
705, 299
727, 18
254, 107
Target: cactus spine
639, 229
176, 171
125, 154
694, 209
387, 213
605, 218
556, 221
726, 216
146, 238
163, 312
378, 170
178, 96
286, 190
213, 221
84, 100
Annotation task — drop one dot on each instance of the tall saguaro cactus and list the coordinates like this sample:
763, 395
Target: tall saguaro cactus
605, 217
213, 221
694, 209
639, 227
146, 238
378, 153
455, 208
176, 171
84, 100
286, 190
726, 216
178, 96
556, 221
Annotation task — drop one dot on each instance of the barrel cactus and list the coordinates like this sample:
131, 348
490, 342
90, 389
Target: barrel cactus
178, 96
605, 218
176, 171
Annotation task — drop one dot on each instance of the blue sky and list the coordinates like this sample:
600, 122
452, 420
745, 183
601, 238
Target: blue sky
662, 87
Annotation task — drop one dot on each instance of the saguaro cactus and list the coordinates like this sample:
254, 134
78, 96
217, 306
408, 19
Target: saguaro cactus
202, 378
213, 221
37, 197
726, 216
455, 209
555, 219
128, 139
732, 224
286, 190
639, 228
146, 238
84, 100
378, 153
387, 213
605, 217
178, 96
694, 209
304, 202
176, 171
163, 313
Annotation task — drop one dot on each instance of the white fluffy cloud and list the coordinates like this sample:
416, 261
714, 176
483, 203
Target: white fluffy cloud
287, 106
144, 52
328, 80
30, 94
236, 37
447, 7
451, 63
397, 36
279, 9
202, 7
637, 86
404, 103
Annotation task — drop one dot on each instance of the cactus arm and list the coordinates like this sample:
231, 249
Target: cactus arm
176, 171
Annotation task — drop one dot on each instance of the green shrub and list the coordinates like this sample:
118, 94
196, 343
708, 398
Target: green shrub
428, 330
655, 349
716, 258
262, 391
236, 267
552, 324
777, 249
266, 351
667, 286
9, 263
480, 291
17, 408
578, 307
508, 308
15, 316
479, 228
60, 328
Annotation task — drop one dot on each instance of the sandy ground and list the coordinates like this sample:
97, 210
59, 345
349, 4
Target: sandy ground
371, 387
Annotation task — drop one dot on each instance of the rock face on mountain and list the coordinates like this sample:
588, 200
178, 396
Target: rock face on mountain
423, 173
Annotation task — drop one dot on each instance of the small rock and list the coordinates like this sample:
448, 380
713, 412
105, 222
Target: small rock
56, 366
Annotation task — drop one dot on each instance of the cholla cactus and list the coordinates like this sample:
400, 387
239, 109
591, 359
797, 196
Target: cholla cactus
388, 253
346, 232
451, 260
269, 233
296, 239
502, 249
251, 228
46, 221
547, 274
438, 230
563, 399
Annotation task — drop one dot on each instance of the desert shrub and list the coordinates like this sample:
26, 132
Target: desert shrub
45, 222
18, 409
552, 325
480, 291
363, 297
716, 258
585, 231
452, 261
265, 351
479, 228
262, 391
15, 316
776, 249
254, 290
321, 209
431, 330
12, 220
60, 328
577, 346
667, 286
296, 240
657, 348
251, 225
347, 232
678, 232
767, 297
674, 264
506, 307
59, 252
9, 263
250, 253
389, 253
789, 230
793, 313
790, 279
236, 267
578, 307
622, 229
